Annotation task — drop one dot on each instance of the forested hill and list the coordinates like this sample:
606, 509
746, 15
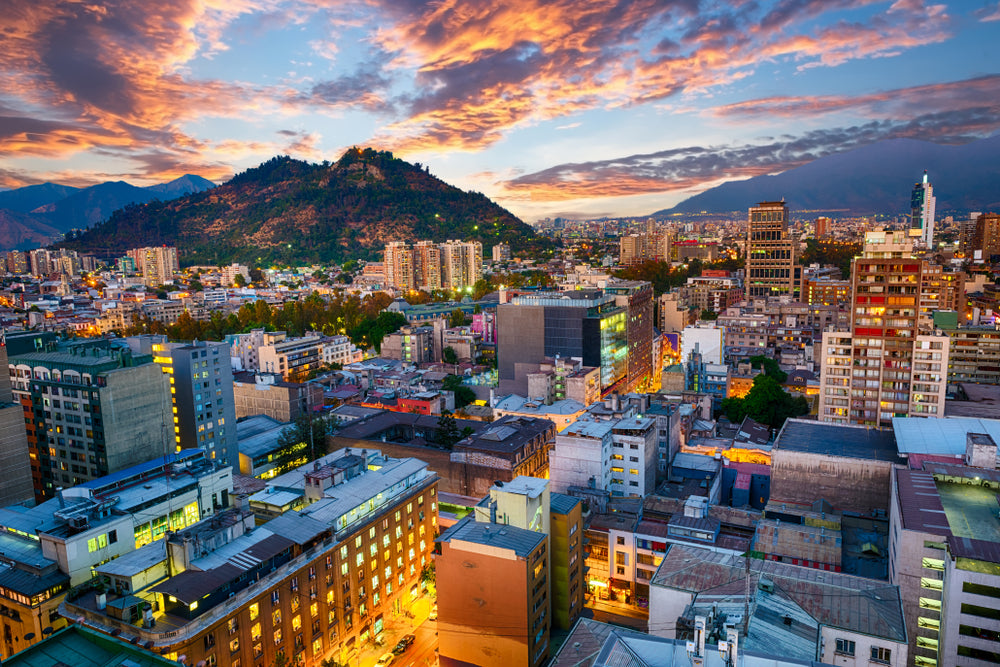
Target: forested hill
289, 211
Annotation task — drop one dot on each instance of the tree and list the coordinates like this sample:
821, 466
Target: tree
239, 280
708, 315
447, 433
463, 395
295, 447
196, 285
456, 318
449, 356
770, 367
766, 402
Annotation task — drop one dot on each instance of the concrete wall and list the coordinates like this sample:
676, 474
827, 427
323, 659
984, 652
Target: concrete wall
850, 485
14, 462
862, 649
575, 460
483, 611
456, 477
136, 409
665, 606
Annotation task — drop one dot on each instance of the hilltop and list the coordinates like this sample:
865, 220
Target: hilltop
287, 210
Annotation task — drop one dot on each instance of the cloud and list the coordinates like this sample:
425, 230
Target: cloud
484, 69
698, 167
988, 14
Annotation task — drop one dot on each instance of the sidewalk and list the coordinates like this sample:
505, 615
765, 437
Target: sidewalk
619, 613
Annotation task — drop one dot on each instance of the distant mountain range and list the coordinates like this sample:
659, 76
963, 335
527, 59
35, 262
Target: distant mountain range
288, 211
36, 214
872, 179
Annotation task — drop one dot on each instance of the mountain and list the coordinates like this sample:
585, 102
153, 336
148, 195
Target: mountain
27, 199
20, 231
185, 185
289, 211
36, 214
872, 179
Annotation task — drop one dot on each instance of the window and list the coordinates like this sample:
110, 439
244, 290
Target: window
277, 637
620, 540
234, 625
254, 611
845, 647
275, 597
880, 654
234, 645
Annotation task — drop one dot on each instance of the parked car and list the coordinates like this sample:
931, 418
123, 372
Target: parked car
403, 644
434, 613
385, 660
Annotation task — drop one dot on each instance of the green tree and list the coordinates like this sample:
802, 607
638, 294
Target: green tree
708, 315
296, 448
766, 402
456, 318
449, 356
196, 285
447, 433
239, 280
770, 367
463, 395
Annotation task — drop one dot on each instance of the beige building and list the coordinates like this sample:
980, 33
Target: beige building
267, 394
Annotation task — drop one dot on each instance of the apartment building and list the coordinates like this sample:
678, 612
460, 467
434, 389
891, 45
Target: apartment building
14, 458
771, 252
90, 410
304, 586
887, 366
267, 394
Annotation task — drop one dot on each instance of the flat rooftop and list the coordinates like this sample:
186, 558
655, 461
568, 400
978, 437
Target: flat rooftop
520, 541
940, 437
855, 442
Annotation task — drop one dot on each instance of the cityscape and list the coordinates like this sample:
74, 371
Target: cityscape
479, 334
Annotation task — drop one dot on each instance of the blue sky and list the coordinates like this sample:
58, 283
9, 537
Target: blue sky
551, 107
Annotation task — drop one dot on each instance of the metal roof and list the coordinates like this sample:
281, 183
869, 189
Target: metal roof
855, 442
944, 437
559, 503
920, 503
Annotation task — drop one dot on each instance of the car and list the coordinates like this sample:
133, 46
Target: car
434, 613
385, 660
403, 644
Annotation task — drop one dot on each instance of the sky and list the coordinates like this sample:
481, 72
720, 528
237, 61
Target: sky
577, 108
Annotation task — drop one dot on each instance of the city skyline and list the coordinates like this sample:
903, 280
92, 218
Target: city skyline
549, 108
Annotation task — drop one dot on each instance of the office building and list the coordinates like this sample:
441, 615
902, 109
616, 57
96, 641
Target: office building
886, 366
922, 204
90, 411
585, 323
14, 458
771, 266
309, 585
636, 296
57, 544
201, 387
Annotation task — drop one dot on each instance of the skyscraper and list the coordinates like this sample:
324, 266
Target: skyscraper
886, 366
922, 202
771, 253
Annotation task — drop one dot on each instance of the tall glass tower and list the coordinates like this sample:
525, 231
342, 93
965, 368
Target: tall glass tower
922, 203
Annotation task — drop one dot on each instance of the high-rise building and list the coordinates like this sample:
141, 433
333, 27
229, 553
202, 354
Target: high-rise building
17, 262
399, 266
986, 238
887, 365
90, 411
427, 265
501, 252
201, 389
771, 268
922, 203
585, 323
461, 264
14, 459
822, 226
156, 264
636, 296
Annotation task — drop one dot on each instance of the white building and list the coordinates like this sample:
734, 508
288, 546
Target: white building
581, 456
705, 337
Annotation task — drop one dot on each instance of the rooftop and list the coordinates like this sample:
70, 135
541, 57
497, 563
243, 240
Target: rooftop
559, 503
855, 442
865, 606
521, 542
943, 437
81, 647
258, 435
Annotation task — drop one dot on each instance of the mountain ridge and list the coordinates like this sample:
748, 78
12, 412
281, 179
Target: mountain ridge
876, 178
287, 210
